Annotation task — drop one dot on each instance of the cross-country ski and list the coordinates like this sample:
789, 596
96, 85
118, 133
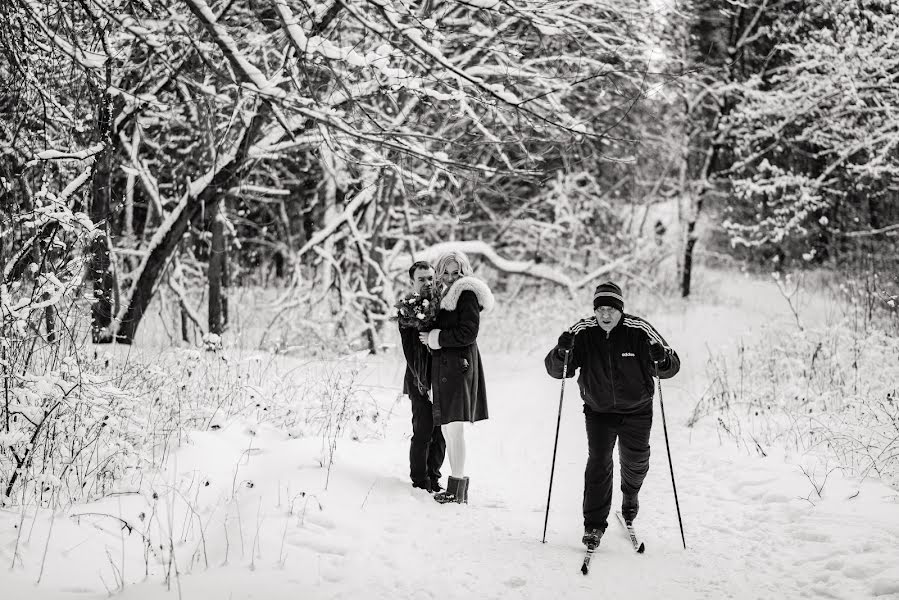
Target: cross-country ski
638, 545
588, 556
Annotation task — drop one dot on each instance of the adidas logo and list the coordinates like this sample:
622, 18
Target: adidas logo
625, 354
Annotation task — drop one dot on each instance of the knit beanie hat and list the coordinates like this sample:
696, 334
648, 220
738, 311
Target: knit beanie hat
608, 294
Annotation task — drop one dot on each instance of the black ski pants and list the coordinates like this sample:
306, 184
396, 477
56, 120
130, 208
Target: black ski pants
428, 448
632, 433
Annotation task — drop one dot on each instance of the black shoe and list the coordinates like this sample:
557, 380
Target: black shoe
591, 538
426, 486
629, 508
435, 485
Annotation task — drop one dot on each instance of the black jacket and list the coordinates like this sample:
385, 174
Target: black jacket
460, 393
616, 373
417, 381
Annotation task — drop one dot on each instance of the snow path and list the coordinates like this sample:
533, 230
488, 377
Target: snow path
754, 525
751, 533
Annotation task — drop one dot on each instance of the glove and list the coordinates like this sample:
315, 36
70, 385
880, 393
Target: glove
566, 341
657, 353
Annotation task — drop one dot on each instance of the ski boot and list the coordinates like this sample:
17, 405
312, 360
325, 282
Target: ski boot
591, 538
629, 507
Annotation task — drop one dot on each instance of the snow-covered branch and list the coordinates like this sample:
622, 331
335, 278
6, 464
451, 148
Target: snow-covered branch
517, 267
358, 201
229, 47
69, 154
888, 230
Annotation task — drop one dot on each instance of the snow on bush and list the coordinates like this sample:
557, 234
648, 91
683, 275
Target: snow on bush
829, 390
102, 424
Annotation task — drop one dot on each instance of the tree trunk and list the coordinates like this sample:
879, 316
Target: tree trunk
689, 244
330, 196
49, 320
129, 186
101, 275
101, 202
185, 324
175, 228
218, 272
40, 260
708, 40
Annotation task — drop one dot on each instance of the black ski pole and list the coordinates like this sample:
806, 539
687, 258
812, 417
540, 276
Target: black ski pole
555, 444
670, 465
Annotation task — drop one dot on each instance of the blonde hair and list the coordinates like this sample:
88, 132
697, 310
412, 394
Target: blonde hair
457, 257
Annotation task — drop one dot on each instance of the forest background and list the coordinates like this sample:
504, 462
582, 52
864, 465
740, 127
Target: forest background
260, 174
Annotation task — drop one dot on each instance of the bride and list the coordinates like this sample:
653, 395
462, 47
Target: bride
457, 375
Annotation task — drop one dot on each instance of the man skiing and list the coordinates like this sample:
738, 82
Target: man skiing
617, 354
428, 447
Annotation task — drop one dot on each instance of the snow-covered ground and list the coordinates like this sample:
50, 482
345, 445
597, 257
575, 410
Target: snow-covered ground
246, 509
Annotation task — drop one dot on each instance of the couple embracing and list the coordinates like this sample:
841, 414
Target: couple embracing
443, 363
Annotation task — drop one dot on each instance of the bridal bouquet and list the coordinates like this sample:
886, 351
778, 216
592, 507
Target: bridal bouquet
418, 310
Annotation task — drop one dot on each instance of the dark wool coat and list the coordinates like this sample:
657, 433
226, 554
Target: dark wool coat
457, 375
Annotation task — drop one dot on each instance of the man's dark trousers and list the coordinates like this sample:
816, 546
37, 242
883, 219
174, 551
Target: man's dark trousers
632, 432
428, 448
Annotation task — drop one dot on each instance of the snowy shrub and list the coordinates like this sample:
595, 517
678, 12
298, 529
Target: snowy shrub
828, 390
39, 338
212, 342
569, 222
68, 436
870, 298
337, 407
105, 423
196, 390
268, 319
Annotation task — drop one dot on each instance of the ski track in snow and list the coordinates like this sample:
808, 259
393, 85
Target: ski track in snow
755, 528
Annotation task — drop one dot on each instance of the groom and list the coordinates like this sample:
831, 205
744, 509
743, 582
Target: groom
428, 448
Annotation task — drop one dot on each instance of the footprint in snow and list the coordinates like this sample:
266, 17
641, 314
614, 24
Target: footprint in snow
811, 536
318, 519
859, 571
317, 544
740, 486
885, 587
775, 498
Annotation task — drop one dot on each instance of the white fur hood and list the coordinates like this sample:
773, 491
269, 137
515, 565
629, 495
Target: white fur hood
468, 283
